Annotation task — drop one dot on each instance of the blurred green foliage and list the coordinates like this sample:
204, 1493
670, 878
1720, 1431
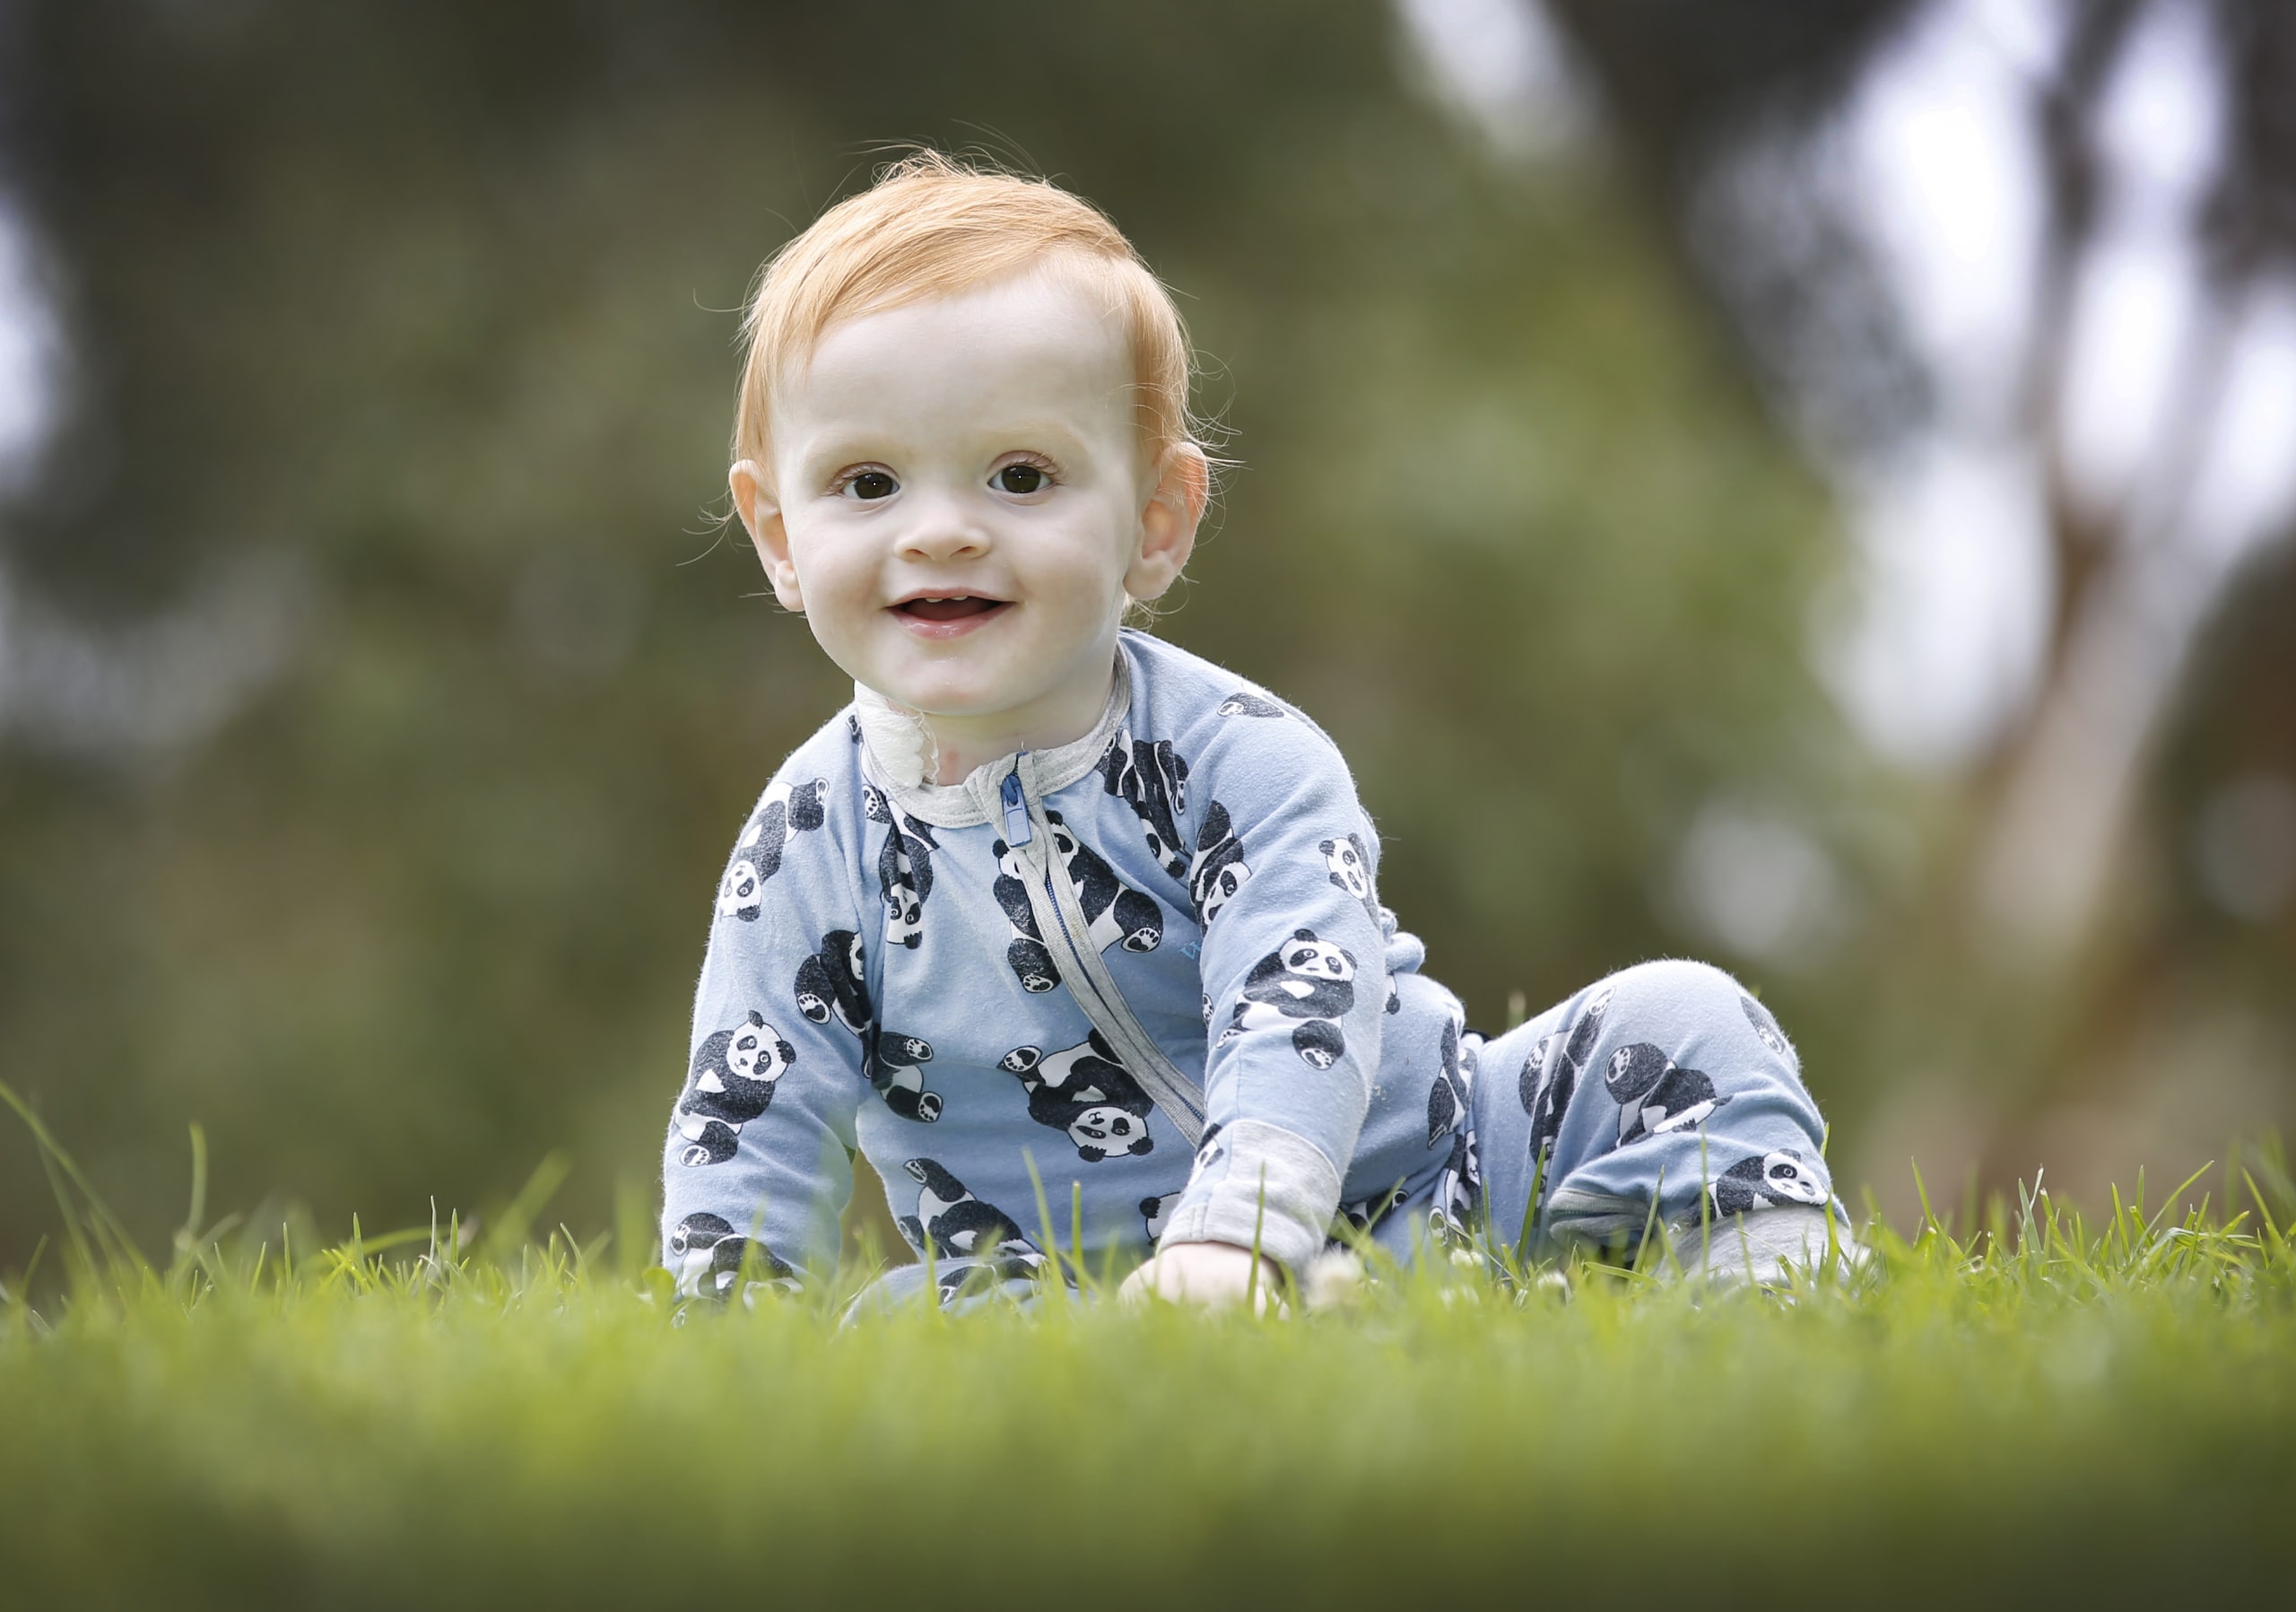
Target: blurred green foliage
427, 308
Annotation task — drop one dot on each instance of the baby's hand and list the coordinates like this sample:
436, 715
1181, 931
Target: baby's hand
1214, 1274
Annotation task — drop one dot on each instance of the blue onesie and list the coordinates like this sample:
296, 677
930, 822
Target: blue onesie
1144, 978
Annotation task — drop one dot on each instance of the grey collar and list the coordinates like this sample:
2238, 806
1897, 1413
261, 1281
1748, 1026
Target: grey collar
977, 800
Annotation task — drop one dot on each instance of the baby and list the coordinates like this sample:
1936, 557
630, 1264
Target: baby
1062, 926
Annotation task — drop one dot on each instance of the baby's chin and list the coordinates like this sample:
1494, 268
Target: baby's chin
982, 683
959, 680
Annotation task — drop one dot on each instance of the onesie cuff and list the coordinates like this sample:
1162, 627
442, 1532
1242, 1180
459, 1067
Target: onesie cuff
1273, 1188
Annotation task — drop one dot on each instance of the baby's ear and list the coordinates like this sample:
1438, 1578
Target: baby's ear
1167, 523
761, 513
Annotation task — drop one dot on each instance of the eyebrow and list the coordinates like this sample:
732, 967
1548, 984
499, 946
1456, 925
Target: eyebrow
850, 447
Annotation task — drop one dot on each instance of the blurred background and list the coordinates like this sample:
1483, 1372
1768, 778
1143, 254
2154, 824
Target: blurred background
1802, 482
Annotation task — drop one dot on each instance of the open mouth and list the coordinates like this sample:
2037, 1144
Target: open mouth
956, 608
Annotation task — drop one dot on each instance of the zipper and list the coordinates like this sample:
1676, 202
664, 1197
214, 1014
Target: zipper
1018, 831
1059, 914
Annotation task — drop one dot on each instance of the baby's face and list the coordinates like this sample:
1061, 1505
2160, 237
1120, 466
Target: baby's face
958, 501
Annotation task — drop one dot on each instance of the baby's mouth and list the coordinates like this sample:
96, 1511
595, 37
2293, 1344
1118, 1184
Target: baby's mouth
951, 609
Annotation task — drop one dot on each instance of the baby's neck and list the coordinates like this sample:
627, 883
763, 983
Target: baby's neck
962, 744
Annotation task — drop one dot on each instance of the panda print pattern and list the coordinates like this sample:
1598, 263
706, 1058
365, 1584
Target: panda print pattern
1173, 842
904, 869
1243, 702
1208, 1150
1025, 953
1550, 1076
951, 1220
1766, 1181
730, 1084
788, 811
1116, 914
1655, 1094
1151, 778
706, 1257
1631, 1099
1218, 870
1155, 1213
1086, 1091
961, 1286
890, 1061
1447, 1097
1456, 1205
1363, 1215
1350, 870
832, 983
1766, 1030
1308, 983
1456, 1210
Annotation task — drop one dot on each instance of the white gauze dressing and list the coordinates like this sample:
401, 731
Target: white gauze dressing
896, 736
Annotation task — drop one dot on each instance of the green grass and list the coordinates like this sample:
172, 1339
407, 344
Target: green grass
2037, 1411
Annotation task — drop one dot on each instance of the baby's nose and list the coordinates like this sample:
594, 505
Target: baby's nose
943, 529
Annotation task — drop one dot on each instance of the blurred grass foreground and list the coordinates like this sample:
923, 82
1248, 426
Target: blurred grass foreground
2034, 1407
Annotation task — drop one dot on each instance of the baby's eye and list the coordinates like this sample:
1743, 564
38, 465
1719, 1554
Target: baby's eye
870, 485
1020, 479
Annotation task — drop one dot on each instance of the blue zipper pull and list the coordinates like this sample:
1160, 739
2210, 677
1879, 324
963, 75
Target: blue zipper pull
1018, 831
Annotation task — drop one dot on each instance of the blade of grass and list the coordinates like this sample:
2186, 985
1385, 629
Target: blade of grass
1044, 1219
188, 1234
509, 1231
119, 1246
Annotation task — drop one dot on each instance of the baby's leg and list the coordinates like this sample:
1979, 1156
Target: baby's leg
1666, 1082
958, 1285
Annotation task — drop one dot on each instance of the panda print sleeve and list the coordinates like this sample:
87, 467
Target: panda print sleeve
757, 1164
1291, 964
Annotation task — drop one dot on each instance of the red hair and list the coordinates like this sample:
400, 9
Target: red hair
932, 226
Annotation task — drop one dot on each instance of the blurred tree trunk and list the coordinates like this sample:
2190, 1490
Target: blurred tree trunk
2027, 910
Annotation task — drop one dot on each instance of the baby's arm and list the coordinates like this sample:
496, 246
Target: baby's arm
1293, 968
758, 1167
